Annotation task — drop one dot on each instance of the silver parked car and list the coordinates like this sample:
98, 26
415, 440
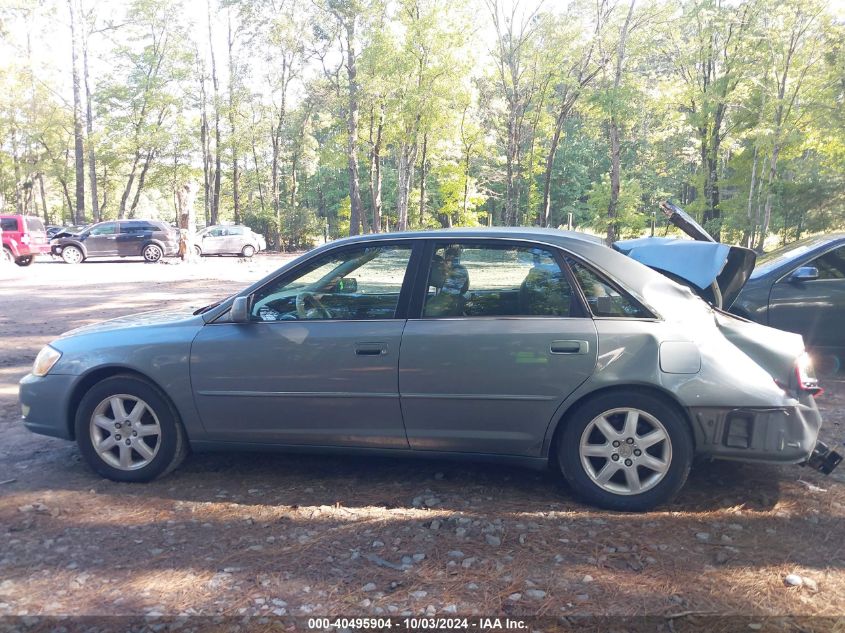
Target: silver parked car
229, 240
536, 347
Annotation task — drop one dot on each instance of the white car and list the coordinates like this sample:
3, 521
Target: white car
228, 240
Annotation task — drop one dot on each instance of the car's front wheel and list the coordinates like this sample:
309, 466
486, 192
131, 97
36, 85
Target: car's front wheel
198, 251
625, 451
152, 253
72, 255
127, 430
248, 250
6, 255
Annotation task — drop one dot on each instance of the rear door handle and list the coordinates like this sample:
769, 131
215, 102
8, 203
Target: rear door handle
371, 349
569, 347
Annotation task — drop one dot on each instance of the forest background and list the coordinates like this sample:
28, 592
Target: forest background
307, 119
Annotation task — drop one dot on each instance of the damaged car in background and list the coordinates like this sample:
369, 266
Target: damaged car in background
535, 347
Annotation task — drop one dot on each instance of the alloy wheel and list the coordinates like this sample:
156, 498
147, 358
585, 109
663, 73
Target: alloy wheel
125, 432
625, 451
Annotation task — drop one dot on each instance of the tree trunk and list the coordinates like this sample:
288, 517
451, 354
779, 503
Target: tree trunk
422, 179
214, 210
404, 177
613, 133
276, 143
141, 181
187, 219
78, 148
615, 164
128, 188
375, 169
550, 163
236, 203
767, 211
43, 198
352, 129
89, 130
751, 230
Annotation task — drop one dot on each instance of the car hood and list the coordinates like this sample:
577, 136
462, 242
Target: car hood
701, 264
143, 319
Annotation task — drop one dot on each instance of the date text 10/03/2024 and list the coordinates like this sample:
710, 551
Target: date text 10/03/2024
417, 624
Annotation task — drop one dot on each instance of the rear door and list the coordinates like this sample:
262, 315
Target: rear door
132, 235
500, 340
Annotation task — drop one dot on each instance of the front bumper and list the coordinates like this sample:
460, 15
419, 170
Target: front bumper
766, 434
45, 403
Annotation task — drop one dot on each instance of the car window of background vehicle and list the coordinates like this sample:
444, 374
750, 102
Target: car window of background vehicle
831, 265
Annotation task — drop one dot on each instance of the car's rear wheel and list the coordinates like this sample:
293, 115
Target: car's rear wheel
72, 255
248, 251
25, 261
625, 451
152, 253
127, 430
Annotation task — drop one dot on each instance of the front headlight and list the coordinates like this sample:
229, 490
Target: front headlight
45, 360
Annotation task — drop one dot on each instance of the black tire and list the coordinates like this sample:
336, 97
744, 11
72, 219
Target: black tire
681, 451
72, 255
198, 251
7, 255
152, 253
248, 251
25, 261
171, 444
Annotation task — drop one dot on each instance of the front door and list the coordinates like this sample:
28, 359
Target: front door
501, 342
318, 363
101, 240
813, 308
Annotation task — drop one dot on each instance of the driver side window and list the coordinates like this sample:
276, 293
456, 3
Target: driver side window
354, 284
104, 229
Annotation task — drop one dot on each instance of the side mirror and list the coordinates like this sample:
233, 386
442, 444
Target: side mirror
239, 312
347, 284
805, 273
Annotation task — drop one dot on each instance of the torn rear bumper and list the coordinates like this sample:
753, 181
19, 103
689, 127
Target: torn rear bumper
824, 459
766, 434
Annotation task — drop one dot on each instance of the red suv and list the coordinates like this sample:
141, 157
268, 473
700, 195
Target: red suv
24, 237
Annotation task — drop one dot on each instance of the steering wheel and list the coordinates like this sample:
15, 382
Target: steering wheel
303, 299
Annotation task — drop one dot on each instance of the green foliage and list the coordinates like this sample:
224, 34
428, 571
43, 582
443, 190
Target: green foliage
630, 219
746, 96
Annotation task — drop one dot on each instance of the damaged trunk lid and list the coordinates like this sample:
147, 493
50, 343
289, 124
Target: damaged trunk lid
716, 271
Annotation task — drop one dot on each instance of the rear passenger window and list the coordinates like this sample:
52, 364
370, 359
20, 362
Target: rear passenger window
481, 280
605, 299
9, 224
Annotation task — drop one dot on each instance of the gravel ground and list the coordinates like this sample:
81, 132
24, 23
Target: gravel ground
302, 535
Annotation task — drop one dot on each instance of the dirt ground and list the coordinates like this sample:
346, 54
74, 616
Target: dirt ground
240, 534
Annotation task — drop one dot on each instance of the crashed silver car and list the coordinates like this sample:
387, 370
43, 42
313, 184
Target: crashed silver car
529, 346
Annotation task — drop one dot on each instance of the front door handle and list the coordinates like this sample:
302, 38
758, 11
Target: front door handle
569, 347
371, 349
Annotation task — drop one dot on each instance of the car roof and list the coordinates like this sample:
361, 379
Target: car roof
535, 233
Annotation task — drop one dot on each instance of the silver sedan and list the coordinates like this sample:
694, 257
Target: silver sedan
535, 347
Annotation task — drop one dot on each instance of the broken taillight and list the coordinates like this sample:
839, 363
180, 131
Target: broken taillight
806, 375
